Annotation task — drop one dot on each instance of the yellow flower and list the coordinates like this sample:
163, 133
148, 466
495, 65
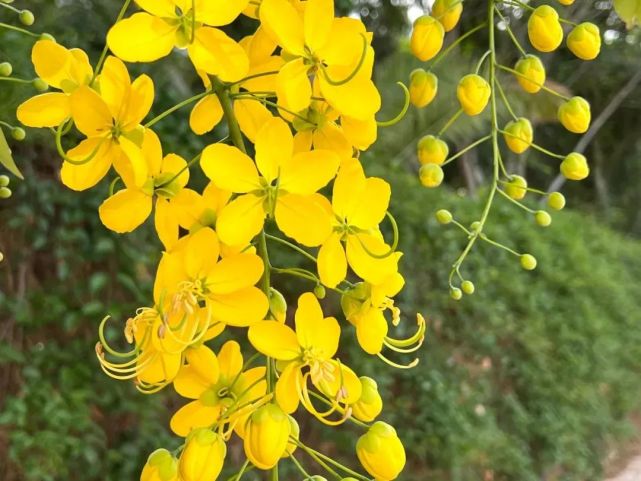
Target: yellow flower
267, 436
203, 456
423, 87
427, 38
111, 122
281, 182
370, 404
544, 29
575, 167
448, 12
575, 115
585, 41
381, 452
307, 354
218, 386
62, 69
359, 205
192, 272
532, 73
160, 466
473, 93
518, 135
166, 24
335, 51
432, 150
128, 208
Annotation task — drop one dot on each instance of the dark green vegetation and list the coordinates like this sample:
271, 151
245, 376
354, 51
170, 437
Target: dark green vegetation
532, 378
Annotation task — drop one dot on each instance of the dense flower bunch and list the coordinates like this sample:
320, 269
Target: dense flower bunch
477, 90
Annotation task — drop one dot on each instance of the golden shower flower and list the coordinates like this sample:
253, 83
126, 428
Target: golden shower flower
160, 466
518, 135
532, 73
203, 456
266, 438
381, 452
423, 87
473, 93
585, 41
432, 150
575, 115
544, 29
427, 38
575, 166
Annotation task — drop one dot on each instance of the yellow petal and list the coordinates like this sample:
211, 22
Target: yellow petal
85, 176
358, 98
303, 218
217, 54
318, 20
219, 12
159, 8
115, 85
371, 331
307, 172
369, 268
152, 150
345, 383
201, 253
229, 169
374, 201
281, 20
142, 38
137, 161
303, 141
332, 264
51, 61
331, 137
193, 415
173, 164
90, 112
348, 188
251, 116
125, 210
293, 87
161, 369
287, 387
165, 223
360, 133
315, 331
205, 115
274, 143
235, 272
139, 103
241, 220
230, 360
274, 339
241, 308
204, 363
45, 110
188, 383
345, 45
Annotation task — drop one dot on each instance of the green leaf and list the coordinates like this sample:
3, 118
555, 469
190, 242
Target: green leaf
6, 159
629, 11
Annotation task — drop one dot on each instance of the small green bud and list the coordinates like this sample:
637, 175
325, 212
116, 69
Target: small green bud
468, 287
5, 69
18, 133
319, 292
277, 305
47, 36
40, 85
4, 180
556, 201
444, 216
528, 262
431, 175
475, 226
456, 293
27, 18
5, 192
542, 218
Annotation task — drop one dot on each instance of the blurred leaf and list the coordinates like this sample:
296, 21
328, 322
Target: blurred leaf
6, 158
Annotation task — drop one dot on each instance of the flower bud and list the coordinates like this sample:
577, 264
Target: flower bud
431, 175
473, 93
427, 38
468, 287
423, 87
448, 12
381, 452
5, 69
516, 188
267, 436
26, 18
542, 218
320, 292
47, 36
566, 2
556, 201
370, 404
40, 85
544, 29
161, 466
5, 192
18, 133
456, 293
585, 41
203, 456
528, 262
475, 226
277, 305
532, 73
4, 180
444, 216
575, 167
575, 115
432, 150
294, 433
518, 135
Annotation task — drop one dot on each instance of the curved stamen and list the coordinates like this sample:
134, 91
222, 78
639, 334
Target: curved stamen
401, 114
392, 249
361, 61
66, 158
418, 336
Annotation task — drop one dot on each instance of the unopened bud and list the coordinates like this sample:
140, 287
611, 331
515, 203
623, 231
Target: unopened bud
5, 69
444, 216
26, 18
431, 175
542, 218
556, 201
528, 262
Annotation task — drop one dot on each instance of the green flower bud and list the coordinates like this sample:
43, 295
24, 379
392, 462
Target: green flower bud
4, 180
468, 287
26, 18
542, 218
5, 69
575, 167
40, 85
444, 216
319, 292
585, 41
432, 150
431, 175
475, 226
456, 293
556, 201
423, 87
532, 73
528, 262
5, 192
518, 135
516, 188
575, 115
18, 133
277, 305
47, 36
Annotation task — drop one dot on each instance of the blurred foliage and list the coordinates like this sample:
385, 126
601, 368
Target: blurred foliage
532, 378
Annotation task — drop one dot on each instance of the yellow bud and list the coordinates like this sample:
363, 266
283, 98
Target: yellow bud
575, 167
427, 38
381, 452
203, 456
528, 262
473, 93
585, 41
516, 188
294, 433
566, 2
518, 135
432, 150
160, 466
575, 115
532, 73
448, 12
423, 87
267, 436
431, 175
544, 29
370, 404
556, 201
